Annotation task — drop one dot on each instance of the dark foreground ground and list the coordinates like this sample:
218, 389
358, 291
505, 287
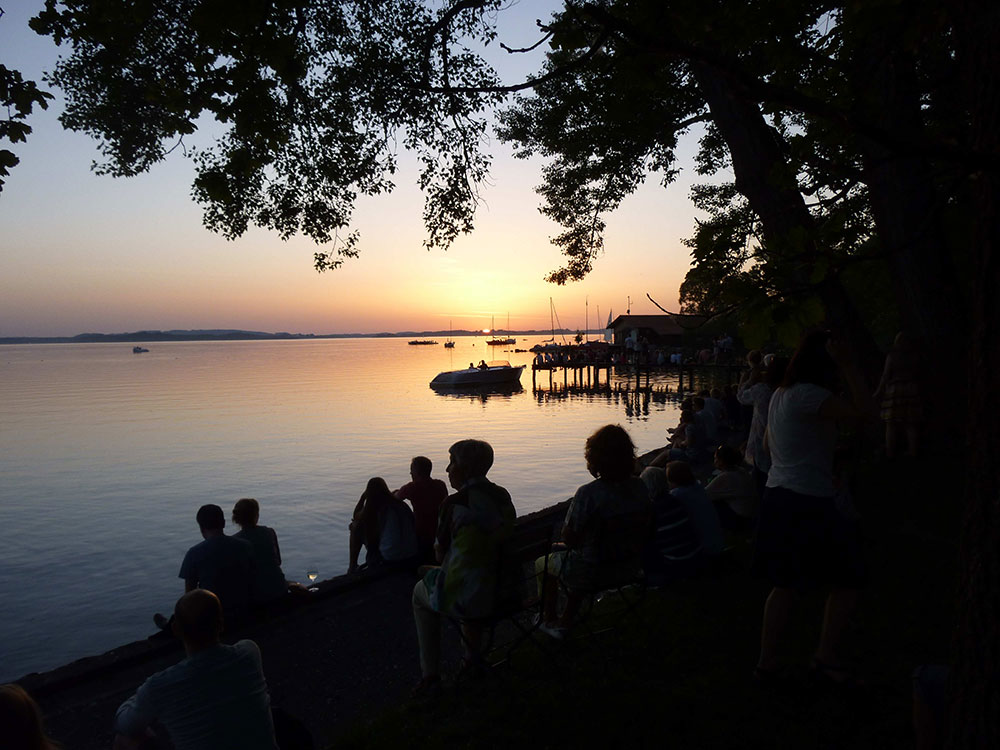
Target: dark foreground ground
676, 672
327, 663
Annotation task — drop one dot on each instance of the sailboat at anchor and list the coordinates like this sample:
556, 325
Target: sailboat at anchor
501, 341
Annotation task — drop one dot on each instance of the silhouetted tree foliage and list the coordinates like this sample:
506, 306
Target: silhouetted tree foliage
315, 99
850, 151
18, 98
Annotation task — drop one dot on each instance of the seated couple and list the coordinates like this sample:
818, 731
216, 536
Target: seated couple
242, 570
385, 525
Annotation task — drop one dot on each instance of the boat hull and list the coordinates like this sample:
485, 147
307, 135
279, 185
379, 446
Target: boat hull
476, 376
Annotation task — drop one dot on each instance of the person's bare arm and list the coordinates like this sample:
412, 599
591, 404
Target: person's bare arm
662, 458
360, 507
884, 380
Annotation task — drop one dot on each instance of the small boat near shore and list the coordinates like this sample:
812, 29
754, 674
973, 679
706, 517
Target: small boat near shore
493, 373
138, 350
421, 342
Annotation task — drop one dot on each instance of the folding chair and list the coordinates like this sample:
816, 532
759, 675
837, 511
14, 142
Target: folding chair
517, 602
618, 571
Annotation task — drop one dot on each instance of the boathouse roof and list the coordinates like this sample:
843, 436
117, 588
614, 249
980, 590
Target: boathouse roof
663, 325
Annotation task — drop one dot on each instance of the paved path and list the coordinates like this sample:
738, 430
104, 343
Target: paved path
350, 651
328, 663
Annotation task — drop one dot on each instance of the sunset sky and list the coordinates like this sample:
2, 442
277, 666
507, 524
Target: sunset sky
83, 253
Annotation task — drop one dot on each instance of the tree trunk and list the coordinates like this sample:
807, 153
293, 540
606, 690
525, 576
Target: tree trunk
974, 688
765, 178
907, 208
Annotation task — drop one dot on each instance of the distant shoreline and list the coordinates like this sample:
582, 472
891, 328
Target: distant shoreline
237, 335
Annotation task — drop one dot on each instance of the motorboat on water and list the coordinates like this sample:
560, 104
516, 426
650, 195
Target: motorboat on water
138, 350
421, 342
492, 373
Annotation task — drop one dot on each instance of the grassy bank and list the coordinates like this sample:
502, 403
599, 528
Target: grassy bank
677, 671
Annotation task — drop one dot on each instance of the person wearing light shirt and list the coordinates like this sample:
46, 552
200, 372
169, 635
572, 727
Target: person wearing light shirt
214, 699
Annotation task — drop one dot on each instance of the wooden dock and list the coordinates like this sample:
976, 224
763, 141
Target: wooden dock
588, 375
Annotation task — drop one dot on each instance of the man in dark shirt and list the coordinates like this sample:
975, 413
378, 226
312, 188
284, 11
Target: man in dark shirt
425, 495
221, 564
215, 698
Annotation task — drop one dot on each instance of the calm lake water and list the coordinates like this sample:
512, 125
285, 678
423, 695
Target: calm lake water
105, 456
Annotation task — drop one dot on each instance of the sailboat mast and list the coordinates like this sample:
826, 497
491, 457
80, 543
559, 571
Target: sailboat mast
586, 325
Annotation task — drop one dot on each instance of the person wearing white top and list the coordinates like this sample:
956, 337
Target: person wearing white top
803, 542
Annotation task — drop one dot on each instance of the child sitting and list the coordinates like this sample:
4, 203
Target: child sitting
732, 491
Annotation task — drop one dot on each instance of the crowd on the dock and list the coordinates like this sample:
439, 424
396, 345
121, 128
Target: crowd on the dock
633, 351
656, 518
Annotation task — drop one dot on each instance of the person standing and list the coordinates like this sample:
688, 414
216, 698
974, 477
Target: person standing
803, 541
898, 395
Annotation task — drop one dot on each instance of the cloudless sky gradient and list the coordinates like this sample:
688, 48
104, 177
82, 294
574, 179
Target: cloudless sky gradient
84, 253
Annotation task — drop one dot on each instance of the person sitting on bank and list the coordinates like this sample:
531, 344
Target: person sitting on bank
706, 417
268, 584
220, 564
732, 490
425, 495
689, 443
693, 497
580, 561
474, 526
216, 697
384, 525
21, 721
673, 551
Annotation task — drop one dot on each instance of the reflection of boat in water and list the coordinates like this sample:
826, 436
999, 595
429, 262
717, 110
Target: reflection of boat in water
138, 350
480, 392
421, 342
498, 372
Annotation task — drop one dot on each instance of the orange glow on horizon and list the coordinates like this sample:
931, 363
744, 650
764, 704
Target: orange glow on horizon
486, 330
